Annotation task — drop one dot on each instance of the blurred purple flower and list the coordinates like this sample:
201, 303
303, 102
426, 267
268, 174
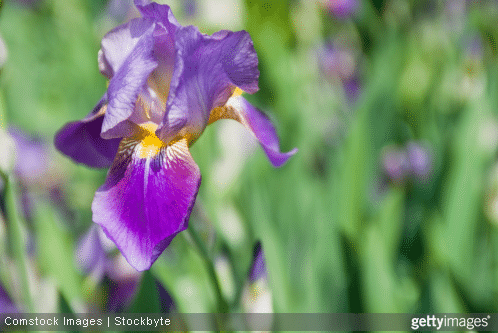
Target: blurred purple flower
32, 158
119, 9
396, 164
190, 7
124, 283
258, 269
36, 171
399, 163
121, 294
93, 257
339, 65
337, 61
28, 3
455, 12
420, 161
167, 83
6, 304
257, 296
342, 8
474, 46
352, 88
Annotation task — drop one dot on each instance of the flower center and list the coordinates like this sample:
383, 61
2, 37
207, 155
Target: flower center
237, 92
149, 144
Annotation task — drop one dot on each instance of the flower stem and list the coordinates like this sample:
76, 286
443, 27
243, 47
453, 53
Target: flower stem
17, 239
222, 303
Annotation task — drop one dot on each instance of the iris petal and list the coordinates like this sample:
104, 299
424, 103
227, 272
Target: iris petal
147, 198
164, 46
238, 108
207, 69
129, 51
161, 14
82, 142
121, 42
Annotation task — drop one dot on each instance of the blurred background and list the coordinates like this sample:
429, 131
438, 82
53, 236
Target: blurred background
390, 205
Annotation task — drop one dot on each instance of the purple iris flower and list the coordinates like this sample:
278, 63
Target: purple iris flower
258, 269
257, 295
167, 83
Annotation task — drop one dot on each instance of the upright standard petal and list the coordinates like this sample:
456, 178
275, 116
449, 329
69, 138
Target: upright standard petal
207, 70
81, 140
147, 198
128, 51
120, 43
161, 14
164, 46
238, 108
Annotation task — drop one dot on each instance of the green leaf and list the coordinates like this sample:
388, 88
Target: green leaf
351, 200
390, 221
378, 278
463, 192
56, 248
147, 298
182, 273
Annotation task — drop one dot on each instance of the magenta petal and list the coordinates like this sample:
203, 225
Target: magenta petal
259, 124
145, 202
81, 140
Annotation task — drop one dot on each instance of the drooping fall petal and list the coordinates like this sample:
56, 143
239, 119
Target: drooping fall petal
81, 140
147, 198
238, 108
